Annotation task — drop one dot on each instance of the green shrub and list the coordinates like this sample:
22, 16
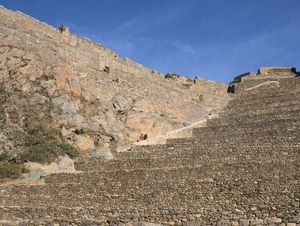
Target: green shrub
42, 153
47, 153
67, 149
10, 171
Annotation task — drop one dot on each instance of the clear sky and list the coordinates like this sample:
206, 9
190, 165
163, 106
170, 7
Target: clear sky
214, 39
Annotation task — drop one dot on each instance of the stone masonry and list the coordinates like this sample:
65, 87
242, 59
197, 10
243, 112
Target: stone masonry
241, 169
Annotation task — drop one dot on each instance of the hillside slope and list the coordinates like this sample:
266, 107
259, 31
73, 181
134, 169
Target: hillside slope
60, 81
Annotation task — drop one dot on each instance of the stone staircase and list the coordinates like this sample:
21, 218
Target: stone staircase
241, 169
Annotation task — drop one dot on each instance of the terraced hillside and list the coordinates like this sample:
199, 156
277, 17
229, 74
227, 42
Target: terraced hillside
241, 169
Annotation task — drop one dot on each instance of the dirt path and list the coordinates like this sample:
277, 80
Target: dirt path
179, 133
262, 84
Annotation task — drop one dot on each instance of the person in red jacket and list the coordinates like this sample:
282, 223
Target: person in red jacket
142, 137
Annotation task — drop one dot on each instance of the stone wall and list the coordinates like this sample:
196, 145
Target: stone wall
265, 76
277, 71
89, 55
242, 169
239, 78
79, 83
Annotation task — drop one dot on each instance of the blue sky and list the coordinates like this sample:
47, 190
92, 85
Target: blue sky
214, 39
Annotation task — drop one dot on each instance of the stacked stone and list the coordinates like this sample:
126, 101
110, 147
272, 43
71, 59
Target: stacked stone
266, 75
242, 169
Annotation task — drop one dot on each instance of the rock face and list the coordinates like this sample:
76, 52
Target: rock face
53, 76
36, 170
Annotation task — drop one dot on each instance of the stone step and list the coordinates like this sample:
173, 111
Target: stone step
286, 125
185, 196
122, 180
267, 138
264, 91
255, 118
206, 214
143, 148
259, 110
222, 145
156, 193
193, 155
253, 100
197, 172
196, 153
271, 104
245, 112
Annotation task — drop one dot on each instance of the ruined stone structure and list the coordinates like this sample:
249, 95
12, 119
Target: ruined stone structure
267, 73
46, 72
241, 169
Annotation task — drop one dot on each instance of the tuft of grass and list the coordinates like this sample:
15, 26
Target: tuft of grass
78, 130
66, 148
10, 171
83, 100
120, 112
42, 131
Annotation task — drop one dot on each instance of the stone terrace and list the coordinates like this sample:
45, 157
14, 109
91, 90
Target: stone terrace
241, 169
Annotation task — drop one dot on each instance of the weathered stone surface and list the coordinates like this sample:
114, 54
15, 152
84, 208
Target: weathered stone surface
244, 222
101, 152
80, 83
37, 170
84, 144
